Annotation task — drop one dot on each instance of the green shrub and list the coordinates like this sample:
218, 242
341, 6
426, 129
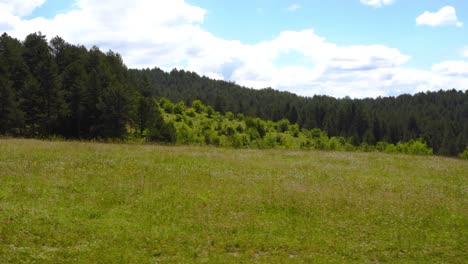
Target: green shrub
364, 147
283, 125
210, 111
464, 154
229, 115
381, 146
179, 108
229, 131
198, 106
315, 133
390, 148
419, 147
240, 140
286, 140
211, 138
416, 147
185, 134
167, 105
270, 140
134, 136
401, 147
333, 144
190, 112
294, 129
253, 133
180, 118
166, 132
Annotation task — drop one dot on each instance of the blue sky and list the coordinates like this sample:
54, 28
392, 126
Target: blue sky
345, 22
50, 8
357, 48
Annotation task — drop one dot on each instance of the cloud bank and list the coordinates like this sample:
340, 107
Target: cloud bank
170, 34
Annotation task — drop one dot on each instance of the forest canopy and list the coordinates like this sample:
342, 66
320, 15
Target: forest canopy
57, 88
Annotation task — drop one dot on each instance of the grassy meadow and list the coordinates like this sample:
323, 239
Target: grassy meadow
77, 202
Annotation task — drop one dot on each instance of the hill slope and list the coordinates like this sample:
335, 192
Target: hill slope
441, 118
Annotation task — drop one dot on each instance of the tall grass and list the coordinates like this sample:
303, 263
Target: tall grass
109, 203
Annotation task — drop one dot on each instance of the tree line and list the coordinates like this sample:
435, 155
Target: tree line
56, 88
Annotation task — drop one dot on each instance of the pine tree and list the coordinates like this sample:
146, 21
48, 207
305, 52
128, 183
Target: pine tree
7, 101
147, 113
44, 91
13, 75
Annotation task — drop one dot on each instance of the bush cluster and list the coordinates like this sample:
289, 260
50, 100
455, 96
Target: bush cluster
199, 124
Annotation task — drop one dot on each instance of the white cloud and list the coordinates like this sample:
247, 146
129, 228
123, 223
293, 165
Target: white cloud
145, 32
169, 34
377, 3
336, 66
452, 68
20, 7
445, 16
294, 7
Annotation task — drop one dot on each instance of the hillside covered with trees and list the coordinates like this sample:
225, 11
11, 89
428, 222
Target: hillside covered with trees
441, 118
56, 88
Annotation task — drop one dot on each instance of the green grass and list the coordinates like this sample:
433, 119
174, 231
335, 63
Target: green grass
114, 203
